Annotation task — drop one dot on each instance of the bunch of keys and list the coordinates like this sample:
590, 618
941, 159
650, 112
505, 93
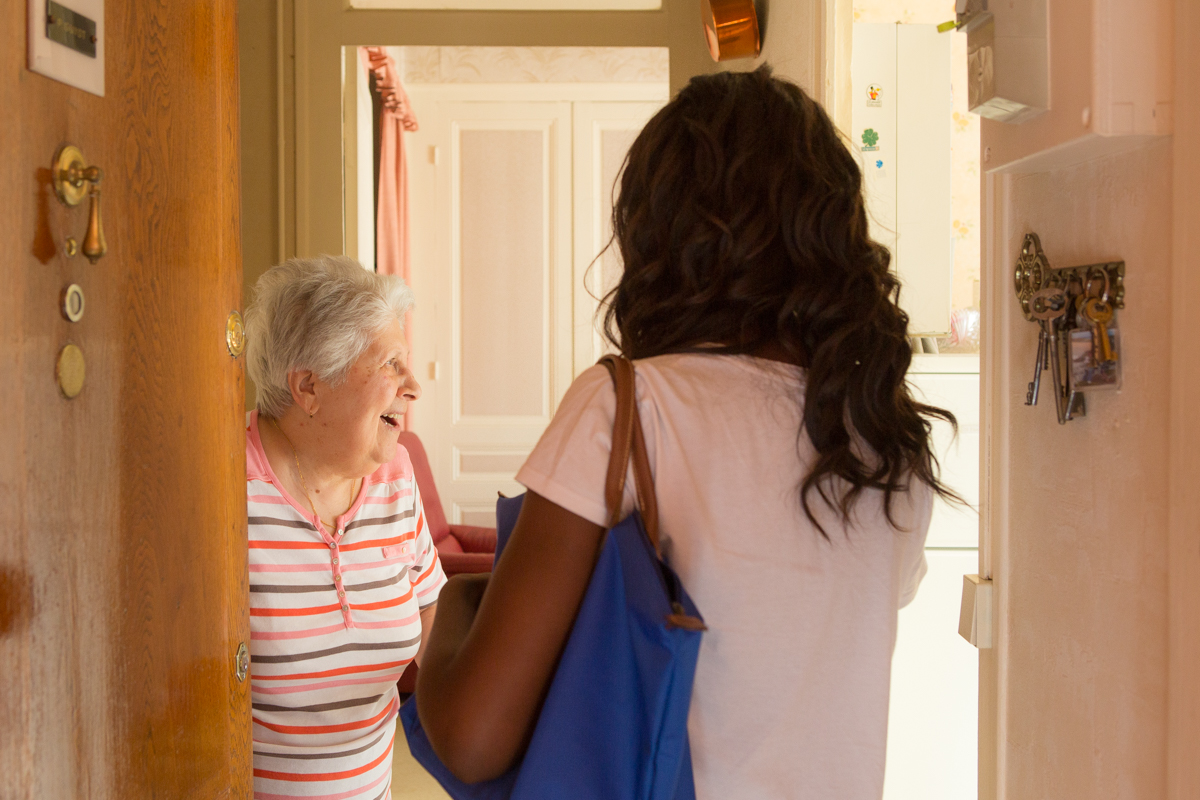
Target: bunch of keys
1048, 306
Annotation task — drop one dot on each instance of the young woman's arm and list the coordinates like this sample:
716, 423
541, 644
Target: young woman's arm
495, 644
428, 615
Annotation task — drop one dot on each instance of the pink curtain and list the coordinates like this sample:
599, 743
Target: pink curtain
391, 210
391, 207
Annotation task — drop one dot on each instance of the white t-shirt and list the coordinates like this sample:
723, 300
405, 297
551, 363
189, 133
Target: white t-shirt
791, 690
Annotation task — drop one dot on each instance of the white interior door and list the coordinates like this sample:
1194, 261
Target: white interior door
603, 134
492, 270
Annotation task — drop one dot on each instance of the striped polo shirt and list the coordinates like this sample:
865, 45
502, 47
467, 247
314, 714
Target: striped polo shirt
334, 620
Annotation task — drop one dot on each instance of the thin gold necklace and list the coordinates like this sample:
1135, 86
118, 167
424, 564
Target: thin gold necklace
300, 472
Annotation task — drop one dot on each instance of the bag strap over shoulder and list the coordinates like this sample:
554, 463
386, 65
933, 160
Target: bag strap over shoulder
629, 443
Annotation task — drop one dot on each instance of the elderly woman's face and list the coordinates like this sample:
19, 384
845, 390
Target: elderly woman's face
365, 412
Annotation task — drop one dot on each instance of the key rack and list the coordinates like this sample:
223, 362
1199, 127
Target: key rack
1076, 310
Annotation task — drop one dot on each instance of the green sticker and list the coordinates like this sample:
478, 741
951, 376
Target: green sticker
870, 140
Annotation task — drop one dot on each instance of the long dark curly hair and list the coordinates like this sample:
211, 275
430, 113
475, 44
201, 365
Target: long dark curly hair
741, 224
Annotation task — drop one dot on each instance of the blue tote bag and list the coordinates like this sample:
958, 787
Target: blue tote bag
614, 724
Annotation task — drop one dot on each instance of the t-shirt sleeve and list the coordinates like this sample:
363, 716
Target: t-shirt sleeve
429, 576
914, 564
570, 462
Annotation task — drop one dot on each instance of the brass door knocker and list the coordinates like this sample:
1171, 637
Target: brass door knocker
74, 180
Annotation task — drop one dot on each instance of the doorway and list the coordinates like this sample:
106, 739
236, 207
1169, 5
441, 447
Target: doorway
919, 152
515, 161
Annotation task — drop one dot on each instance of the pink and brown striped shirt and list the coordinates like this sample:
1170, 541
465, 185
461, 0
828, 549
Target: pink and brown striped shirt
334, 620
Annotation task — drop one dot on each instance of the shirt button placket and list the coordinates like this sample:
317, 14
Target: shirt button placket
337, 577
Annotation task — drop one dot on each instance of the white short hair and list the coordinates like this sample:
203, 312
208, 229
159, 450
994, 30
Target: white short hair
315, 313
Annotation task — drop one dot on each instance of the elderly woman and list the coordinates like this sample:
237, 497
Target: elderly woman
344, 576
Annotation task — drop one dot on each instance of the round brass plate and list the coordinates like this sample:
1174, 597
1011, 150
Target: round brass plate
69, 155
235, 334
72, 303
70, 371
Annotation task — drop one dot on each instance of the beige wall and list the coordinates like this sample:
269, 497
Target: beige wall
1078, 539
1090, 528
262, 234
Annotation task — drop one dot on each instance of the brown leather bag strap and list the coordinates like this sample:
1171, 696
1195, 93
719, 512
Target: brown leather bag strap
629, 441
622, 439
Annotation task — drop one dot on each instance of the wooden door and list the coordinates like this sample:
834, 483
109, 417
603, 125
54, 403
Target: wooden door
122, 511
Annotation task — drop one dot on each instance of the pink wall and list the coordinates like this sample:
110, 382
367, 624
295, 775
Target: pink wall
1079, 556
1090, 529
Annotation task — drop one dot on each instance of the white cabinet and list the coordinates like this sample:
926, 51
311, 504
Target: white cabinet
952, 382
901, 123
932, 748
933, 715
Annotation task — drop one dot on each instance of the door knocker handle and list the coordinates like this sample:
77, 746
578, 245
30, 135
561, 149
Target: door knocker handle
74, 180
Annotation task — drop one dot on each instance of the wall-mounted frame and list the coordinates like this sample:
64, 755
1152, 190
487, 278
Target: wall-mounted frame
66, 42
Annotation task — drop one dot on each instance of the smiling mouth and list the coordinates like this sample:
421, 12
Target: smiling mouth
392, 420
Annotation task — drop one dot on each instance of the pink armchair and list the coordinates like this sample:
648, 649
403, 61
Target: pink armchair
461, 548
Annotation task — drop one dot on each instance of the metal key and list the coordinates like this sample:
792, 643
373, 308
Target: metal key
1048, 306
1031, 393
1099, 313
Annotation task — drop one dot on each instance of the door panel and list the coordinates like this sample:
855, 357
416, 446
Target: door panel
500, 217
492, 273
122, 511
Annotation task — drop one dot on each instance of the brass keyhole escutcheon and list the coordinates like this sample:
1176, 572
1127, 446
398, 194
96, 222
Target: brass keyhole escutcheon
73, 181
70, 371
72, 303
235, 334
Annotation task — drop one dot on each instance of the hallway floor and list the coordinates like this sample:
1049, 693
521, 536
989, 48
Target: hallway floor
410, 781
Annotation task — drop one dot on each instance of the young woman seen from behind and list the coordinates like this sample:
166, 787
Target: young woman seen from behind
792, 466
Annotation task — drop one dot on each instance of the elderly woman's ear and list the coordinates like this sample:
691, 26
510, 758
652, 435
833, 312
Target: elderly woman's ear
303, 384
